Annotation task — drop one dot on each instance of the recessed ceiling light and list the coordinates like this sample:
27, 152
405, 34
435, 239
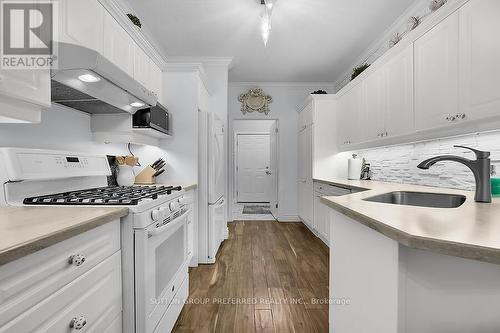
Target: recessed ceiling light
89, 78
137, 104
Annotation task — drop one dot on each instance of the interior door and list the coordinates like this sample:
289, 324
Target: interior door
253, 166
273, 183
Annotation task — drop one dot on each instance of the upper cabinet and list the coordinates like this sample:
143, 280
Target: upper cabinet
118, 47
399, 111
81, 23
479, 57
436, 75
156, 80
349, 116
141, 67
388, 99
442, 79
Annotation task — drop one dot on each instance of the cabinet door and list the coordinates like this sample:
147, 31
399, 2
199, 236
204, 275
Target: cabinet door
374, 106
308, 202
399, 116
141, 67
156, 79
317, 213
349, 125
479, 57
308, 155
82, 23
436, 75
31, 86
118, 45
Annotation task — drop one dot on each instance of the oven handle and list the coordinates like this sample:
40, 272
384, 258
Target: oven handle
168, 226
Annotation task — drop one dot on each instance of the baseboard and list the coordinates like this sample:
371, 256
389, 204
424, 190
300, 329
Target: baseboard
288, 218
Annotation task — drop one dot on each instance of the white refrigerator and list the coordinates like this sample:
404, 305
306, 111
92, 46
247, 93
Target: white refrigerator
212, 225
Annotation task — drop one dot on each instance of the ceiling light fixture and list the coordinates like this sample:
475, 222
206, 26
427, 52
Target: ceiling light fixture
89, 78
265, 27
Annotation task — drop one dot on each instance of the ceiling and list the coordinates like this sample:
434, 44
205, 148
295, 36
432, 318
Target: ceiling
311, 40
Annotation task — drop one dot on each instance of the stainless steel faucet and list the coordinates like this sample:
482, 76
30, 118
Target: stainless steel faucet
481, 168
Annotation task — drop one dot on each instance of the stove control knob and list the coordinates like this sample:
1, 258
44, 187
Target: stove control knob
156, 215
164, 212
174, 206
184, 201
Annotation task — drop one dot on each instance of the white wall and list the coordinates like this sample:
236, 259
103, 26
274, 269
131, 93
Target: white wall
181, 95
62, 128
287, 98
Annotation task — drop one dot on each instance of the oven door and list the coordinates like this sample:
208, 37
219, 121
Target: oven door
160, 267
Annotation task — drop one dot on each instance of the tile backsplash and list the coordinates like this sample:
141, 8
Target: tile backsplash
399, 163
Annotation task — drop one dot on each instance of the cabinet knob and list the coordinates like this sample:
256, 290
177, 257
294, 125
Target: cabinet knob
460, 116
77, 259
78, 323
450, 118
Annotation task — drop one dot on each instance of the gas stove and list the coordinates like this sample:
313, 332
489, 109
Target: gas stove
104, 196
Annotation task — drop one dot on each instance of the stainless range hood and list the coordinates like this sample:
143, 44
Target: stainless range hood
86, 81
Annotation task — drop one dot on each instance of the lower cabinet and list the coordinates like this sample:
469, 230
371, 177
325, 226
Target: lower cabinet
306, 202
73, 285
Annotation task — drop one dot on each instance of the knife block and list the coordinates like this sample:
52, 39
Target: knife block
145, 177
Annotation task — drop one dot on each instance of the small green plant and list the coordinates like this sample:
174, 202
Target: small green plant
135, 20
358, 70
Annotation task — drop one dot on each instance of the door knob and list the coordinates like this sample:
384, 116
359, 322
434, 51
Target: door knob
268, 172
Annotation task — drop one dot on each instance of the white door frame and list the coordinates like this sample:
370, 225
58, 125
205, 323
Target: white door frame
235, 159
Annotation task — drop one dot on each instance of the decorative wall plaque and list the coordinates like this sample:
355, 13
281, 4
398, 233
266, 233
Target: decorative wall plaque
255, 100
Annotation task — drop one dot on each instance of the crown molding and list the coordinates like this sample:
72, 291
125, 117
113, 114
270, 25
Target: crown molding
142, 36
325, 85
207, 61
189, 67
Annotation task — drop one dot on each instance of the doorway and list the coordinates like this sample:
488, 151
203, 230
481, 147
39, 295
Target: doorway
255, 180
253, 162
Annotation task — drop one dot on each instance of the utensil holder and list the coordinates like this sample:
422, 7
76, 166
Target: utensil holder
125, 175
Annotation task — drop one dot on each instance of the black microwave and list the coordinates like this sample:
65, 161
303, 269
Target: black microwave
156, 117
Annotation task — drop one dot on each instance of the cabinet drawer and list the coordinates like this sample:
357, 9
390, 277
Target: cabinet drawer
31, 279
94, 298
170, 317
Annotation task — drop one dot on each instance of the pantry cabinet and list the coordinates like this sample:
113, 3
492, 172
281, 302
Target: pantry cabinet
317, 142
119, 47
479, 57
436, 75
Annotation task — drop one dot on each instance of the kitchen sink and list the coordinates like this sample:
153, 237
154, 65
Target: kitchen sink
422, 199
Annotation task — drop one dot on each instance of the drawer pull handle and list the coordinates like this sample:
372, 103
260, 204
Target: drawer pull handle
77, 260
173, 288
78, 323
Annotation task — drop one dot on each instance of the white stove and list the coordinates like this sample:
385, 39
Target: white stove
153, 235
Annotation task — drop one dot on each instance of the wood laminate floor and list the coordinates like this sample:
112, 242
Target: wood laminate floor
266, 279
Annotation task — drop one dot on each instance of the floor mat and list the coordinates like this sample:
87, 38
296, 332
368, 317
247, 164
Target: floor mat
257, 209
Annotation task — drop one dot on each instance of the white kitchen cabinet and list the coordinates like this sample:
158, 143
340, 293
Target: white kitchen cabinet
388, 99
141, 67
156, 78
374, 106
118, 45
82, 23
350, 122
23, 95
436, 75
399, 110
479, 56
317, 142
80, 276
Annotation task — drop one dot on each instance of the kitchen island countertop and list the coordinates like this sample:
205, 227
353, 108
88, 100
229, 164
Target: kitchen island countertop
470, 231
